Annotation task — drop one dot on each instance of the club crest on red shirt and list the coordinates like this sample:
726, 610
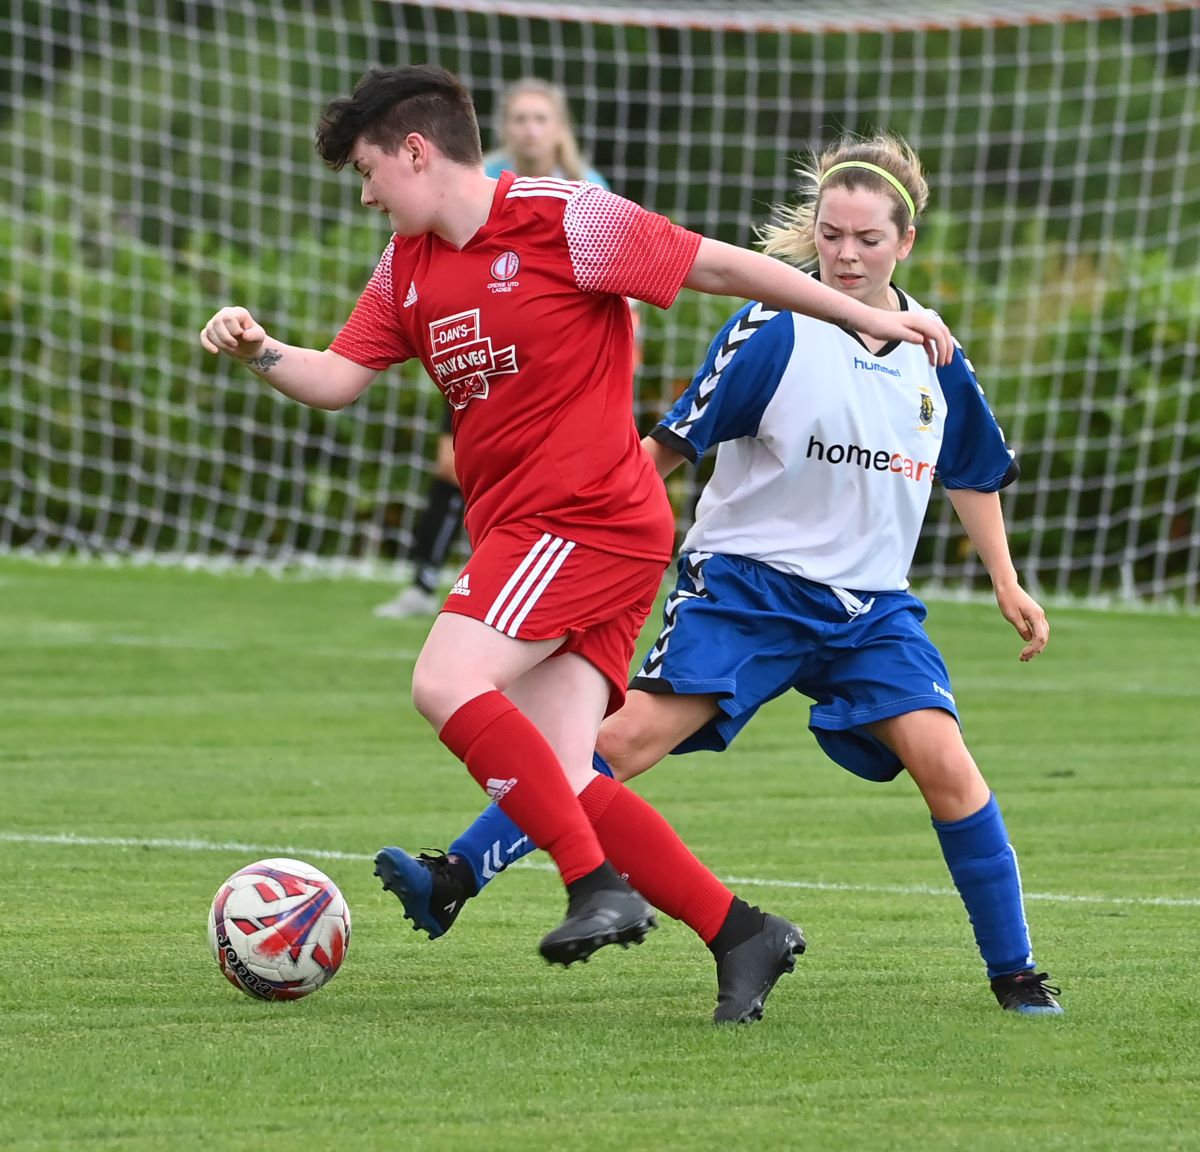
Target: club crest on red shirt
504, 270
506, 266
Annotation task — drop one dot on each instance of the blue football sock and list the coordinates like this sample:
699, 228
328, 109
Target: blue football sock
983, 866
493, 841
491, 844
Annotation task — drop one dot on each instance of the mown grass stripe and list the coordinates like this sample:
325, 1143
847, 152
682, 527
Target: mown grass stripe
189, 844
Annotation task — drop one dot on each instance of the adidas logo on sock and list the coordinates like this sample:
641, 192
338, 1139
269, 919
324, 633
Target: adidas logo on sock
410, 297
498, 789
462, 586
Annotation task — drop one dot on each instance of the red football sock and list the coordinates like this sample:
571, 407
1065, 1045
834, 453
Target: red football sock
510, 759
646, 849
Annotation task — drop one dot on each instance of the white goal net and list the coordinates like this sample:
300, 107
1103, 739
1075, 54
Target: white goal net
159, 164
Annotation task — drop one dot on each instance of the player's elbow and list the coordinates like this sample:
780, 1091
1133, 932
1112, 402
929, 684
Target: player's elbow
713, 270
342, 382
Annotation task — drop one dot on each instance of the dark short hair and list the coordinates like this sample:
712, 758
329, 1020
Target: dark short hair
389, 103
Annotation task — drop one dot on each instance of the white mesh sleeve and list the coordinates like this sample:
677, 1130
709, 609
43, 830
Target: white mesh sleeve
617, 246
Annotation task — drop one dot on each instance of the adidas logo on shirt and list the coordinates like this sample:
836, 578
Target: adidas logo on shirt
462, 586
410, 297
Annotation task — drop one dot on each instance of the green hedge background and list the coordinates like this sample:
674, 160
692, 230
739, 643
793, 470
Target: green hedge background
131, 212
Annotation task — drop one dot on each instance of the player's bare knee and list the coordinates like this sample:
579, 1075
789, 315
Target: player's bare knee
623, 746
436, 697
424, 698
952, 786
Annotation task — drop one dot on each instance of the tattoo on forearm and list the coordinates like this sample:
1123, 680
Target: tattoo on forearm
265, 361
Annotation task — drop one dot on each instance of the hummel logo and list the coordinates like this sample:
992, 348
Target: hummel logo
874, 366
462, 586
410, 297
498, 789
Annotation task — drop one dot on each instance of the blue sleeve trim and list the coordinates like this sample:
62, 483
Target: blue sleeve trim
740, 374
974, 454
677, 444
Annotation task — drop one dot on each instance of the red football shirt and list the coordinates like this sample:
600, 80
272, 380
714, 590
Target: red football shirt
527, 333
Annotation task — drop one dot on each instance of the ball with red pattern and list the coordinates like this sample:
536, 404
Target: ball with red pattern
279, 929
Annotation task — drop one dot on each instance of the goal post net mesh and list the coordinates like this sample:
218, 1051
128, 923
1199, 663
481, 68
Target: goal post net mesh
160, 165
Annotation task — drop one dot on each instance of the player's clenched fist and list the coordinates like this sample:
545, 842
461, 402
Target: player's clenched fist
235, 332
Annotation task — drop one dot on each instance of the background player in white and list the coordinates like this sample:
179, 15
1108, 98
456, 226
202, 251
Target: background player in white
794, 575
512, 293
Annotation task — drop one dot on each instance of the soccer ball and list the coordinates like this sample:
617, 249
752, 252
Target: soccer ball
279, 929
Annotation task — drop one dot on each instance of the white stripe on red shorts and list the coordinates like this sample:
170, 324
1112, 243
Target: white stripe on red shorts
526, 585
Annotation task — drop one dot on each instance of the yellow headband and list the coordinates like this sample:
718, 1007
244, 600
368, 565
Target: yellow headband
908, 202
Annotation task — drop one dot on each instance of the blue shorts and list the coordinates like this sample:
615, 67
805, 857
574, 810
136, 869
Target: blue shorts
748, 633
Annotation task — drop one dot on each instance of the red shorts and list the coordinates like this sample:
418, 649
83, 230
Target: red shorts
534, 585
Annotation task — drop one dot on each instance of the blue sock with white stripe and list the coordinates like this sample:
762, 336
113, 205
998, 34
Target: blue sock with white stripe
983, 866
493, 841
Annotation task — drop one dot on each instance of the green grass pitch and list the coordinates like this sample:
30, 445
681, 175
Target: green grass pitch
155, 720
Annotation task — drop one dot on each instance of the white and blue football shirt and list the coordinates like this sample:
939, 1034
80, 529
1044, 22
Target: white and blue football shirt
827, 452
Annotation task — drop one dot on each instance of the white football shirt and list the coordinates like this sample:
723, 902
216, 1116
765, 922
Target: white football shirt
827, 452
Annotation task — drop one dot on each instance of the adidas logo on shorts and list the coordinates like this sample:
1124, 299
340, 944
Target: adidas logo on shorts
462, 586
